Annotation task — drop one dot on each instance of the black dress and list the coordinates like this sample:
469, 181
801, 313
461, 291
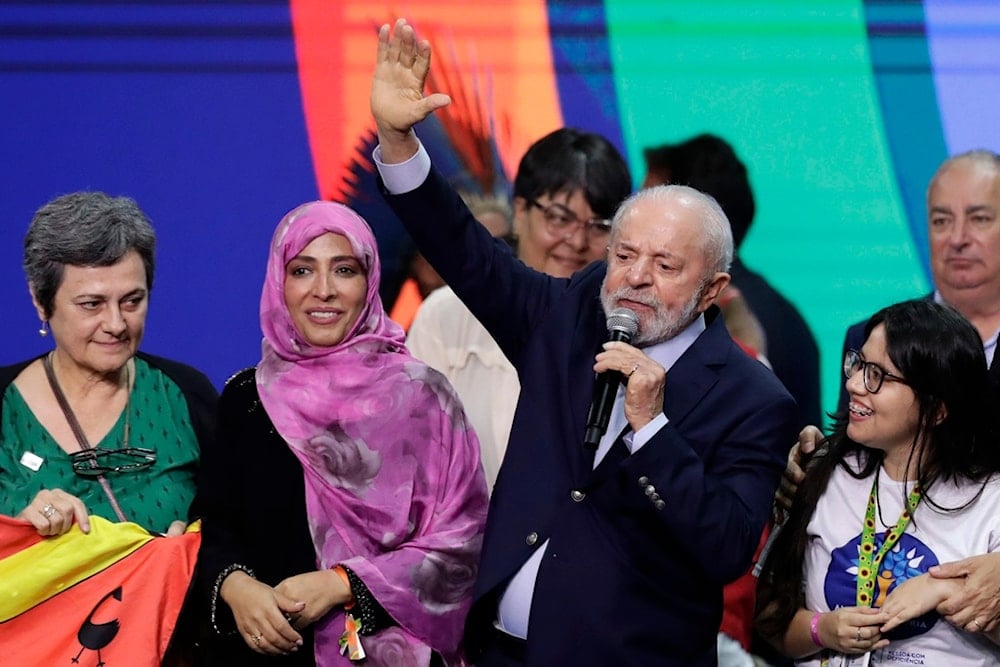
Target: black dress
251, 499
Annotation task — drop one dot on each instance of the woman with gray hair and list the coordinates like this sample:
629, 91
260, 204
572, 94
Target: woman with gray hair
94, 426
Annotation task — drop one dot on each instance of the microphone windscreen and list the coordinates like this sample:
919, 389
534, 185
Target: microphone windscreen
625, 321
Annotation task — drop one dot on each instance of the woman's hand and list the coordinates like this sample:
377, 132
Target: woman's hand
261, 614
53, 511
915, 597
852, 629
321, 591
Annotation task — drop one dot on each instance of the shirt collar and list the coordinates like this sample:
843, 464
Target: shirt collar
989, 344
669, 351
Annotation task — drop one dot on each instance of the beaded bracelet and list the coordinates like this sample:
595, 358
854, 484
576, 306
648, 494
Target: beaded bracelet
366, 609
814, 630
218, 587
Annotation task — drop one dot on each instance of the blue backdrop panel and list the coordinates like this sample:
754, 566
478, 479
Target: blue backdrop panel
194, 110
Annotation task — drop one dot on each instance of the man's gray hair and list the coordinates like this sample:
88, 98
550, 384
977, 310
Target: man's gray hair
980, 156
716, 231
83, 229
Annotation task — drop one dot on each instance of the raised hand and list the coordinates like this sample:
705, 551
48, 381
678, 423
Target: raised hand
397, 95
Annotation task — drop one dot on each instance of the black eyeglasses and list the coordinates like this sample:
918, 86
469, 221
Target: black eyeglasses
872, 374
94, 462
561, 221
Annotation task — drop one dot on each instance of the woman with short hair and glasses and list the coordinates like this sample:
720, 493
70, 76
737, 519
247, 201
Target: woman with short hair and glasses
94, 426
908, 479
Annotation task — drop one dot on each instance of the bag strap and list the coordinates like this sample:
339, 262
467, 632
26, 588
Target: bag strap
78, 432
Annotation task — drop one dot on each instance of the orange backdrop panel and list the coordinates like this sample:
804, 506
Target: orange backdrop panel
501, 49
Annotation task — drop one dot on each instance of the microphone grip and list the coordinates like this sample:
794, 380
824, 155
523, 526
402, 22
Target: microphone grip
605, 390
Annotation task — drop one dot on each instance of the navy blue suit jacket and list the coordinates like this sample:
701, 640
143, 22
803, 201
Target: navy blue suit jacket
625, 580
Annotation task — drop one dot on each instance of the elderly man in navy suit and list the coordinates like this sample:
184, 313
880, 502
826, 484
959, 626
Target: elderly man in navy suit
614, 554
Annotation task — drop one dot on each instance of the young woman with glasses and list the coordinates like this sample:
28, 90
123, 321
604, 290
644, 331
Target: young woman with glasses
908, 479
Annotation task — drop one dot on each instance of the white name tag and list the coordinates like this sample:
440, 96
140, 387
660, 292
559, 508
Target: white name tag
32, 461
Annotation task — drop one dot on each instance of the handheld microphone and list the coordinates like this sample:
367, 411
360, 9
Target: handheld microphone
623, 324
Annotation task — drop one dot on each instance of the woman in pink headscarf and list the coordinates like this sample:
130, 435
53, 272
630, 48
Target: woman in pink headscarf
344, 509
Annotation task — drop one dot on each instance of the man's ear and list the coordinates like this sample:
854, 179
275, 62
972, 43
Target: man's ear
718, 282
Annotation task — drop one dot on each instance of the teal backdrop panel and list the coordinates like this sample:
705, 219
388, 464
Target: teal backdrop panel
790, 85
904, 78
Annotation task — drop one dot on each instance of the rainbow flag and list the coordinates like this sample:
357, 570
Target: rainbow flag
111, 597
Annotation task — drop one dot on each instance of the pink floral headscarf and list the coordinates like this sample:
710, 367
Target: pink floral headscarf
394, 485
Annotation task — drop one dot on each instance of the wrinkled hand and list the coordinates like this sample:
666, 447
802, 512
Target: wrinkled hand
852, 629
321, 591
915, 597
53, 511
975, 605
644, 380
809, 439
397, 93
260, 612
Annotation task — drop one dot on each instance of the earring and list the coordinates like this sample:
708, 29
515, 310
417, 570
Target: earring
44, 330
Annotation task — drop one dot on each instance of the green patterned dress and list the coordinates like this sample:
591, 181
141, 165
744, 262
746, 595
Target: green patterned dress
153, 497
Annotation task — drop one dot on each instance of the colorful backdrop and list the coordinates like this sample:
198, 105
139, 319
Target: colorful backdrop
218, 117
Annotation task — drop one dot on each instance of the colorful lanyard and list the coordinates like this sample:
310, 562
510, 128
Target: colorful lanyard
868, 559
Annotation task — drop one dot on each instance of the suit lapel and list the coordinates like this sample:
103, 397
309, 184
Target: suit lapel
587, 337
618, 453
694, 374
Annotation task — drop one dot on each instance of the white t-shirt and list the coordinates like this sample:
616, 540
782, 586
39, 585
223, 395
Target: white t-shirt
932, 537
447, 337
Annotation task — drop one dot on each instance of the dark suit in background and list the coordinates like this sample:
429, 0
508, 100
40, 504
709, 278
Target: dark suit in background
791, 348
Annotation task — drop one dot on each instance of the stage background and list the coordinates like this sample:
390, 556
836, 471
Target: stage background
218, 117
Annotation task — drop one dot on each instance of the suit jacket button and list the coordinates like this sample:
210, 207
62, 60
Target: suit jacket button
654, 497
650, 490
577, 496
643, 481
659, 504
531, 539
